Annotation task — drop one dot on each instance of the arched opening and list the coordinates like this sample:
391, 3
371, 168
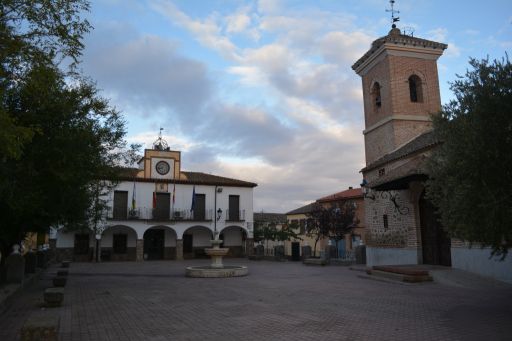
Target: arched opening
435, 243
234, 238
415, 89
118, 243
159, 243
195, 240
376, 97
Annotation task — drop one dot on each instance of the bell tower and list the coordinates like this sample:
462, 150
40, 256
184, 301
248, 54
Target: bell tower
400, 90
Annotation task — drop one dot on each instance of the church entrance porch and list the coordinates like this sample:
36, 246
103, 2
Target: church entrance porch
435, 243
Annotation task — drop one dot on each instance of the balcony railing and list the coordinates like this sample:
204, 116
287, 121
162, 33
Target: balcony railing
235, 215
146, 213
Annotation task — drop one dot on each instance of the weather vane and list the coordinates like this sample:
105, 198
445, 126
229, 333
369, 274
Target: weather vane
393, 12
160, 143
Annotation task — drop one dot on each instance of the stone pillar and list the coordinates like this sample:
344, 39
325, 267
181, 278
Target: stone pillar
139, 252
249, 246
15, 268
179, 249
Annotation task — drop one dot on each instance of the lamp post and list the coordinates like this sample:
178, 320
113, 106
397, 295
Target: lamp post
218, 212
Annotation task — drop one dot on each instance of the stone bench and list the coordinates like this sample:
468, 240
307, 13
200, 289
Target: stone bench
53, 297
315, 261
42, 325
62, 273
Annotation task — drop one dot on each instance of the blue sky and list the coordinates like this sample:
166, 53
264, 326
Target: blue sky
263, 90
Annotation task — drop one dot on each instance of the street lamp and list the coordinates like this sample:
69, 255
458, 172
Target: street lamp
367, 192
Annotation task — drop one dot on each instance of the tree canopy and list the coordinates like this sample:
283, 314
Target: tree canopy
58, 135
471, 170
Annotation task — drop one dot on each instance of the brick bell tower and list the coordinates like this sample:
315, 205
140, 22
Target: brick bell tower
400, 90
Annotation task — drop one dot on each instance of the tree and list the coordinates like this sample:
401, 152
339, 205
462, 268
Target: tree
343, 221
32, 32
59, 138
332, 222
77, 141
471, 170
318, 223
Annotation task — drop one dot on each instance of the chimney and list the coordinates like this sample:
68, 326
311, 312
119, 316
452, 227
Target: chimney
350, 187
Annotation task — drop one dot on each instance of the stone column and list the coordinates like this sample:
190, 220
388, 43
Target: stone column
179, 249
249, 246
139, 250
15, 268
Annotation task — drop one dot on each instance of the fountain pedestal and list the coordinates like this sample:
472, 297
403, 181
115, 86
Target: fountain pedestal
216, 268
216, 253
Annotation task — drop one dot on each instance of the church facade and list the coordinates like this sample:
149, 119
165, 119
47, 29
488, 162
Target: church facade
401, 92
157, 211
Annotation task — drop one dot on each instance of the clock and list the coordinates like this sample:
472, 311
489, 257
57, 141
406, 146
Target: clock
162, 167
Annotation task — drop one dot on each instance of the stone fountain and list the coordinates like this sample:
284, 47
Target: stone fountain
216, 268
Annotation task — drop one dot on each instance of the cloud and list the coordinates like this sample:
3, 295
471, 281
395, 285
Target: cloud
146, 73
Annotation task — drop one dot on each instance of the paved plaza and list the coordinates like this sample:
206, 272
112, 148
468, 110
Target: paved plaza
277, 301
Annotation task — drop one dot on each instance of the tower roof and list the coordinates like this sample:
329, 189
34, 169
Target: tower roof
396, 38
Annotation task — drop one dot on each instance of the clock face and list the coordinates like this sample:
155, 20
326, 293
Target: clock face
162, 167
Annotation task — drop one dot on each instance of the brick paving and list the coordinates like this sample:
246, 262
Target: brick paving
277, 301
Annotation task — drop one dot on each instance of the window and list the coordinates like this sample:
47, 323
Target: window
415, 89
376, 99
81, 244
120, 205
302, 224
161, 210
234, 208
120, 243
385, 219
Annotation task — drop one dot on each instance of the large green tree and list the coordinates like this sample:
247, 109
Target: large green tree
59, 137
472, 168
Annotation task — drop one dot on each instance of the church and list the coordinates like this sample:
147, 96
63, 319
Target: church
401, 92
157, 211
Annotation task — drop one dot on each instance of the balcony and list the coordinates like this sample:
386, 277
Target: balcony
235, 215
146, 213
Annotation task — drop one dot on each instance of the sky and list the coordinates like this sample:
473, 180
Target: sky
263, 91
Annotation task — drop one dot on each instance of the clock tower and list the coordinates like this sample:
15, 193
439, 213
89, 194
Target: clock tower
160, 162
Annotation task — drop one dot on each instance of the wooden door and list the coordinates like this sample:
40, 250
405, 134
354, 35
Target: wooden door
120, 205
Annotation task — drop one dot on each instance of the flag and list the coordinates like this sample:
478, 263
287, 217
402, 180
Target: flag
134, 203
193, 199
154, 199
173, 194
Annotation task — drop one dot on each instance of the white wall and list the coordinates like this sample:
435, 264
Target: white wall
201, 237
390, 256
477, 260
107, 238
232, 236
67, 239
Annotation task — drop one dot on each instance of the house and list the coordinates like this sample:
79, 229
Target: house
400, 93
159, 211
352, 196
298, 217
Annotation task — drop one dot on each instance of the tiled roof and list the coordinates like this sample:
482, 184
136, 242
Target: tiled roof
193, 178
423, 141
395, 37
302, 210
343, 195
270, 217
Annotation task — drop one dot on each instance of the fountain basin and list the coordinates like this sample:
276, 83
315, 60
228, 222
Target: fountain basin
213, 272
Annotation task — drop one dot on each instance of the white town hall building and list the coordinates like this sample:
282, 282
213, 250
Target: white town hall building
158, 211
